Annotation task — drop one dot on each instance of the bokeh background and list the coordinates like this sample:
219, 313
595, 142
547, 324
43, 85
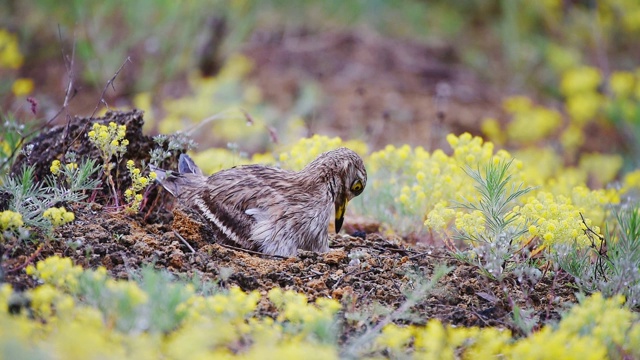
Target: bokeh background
546, 77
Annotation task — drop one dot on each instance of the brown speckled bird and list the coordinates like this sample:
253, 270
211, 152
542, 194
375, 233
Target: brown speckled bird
272, 210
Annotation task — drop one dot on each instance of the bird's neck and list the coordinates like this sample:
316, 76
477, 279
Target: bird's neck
322, 176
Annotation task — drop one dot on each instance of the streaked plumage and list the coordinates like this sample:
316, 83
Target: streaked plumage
271, 210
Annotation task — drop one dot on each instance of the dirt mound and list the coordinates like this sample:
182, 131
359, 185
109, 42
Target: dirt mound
72, 137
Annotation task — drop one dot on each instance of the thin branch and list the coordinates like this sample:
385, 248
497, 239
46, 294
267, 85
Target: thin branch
28, 261
314, 274
184, 241
351, 273
106, 87
251, 251
69, 63
426, 253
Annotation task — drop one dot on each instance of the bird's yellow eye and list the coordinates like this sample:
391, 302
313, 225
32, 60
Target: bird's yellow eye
357, 187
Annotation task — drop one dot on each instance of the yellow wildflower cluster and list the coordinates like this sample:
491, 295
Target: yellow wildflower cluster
225, 107
109, 140
580, 85
22, 87
530, 123
393, 175
539, 165
472, 223
412, 185
215, 159
596, 329
5, 149
294, 307
199, 106
67, 325
554, 219
307, 149
631, 182
56, 167
102, 312
296, 157
58, 216
584, 102
10, 55
138, 183
230, 109
234, 305
58, 272
425, 184
10, 220
12, 58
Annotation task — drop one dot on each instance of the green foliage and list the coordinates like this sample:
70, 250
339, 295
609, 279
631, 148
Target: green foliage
495, 203
610, 265
495, 243
31, 199
151, 303
12, 134
169, 146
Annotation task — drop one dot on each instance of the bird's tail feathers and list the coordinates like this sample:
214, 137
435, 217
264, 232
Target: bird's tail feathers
187, 166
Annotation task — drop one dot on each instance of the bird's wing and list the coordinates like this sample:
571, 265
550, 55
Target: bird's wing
243, 203
230, 224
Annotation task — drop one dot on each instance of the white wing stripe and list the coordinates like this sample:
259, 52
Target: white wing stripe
214, 219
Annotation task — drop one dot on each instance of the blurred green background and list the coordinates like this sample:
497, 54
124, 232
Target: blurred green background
258, 75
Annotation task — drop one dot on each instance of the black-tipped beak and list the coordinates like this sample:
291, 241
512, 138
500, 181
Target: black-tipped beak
341, 206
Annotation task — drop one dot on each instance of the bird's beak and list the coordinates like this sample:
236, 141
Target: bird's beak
341, 206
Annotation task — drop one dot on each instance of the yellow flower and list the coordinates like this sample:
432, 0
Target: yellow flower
580, 80
394, 336
71, 166
583, 107
10, 219
68, 217
22, 87
517, 104
10, 56
55, 167
491, 128
58, 216
622, 83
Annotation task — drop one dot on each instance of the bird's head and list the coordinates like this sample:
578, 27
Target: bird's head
346, 176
